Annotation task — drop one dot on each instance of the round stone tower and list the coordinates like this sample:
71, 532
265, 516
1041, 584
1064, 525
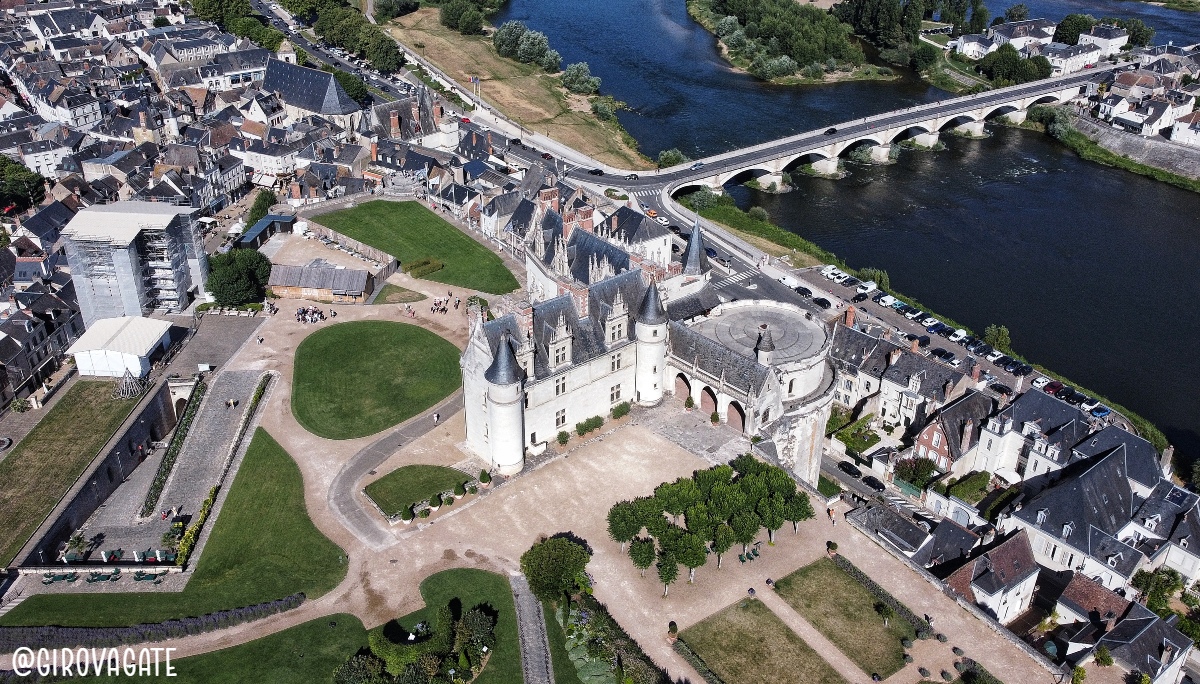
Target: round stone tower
505, 410
650, 333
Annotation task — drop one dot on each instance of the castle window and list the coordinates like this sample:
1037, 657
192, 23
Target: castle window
656, 333
937, 439
560, 418
560, 386
527, 400
614, 394
616, 332
616, 362
560, 355
533, 438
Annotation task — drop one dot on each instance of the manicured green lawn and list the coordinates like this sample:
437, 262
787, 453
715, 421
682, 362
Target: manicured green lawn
304, 654
409, 231
472, 588
355, 379
263, 547
44, 465
405, 486
394, 294
748, 644
564, 669
844, 611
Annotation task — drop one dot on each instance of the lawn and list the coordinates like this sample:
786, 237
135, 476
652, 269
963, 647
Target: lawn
748, 644
394, 294
409, 231
858, 436
263, 547
303, 654
844, 611
40, 470
405, 486
472, 588
355, 379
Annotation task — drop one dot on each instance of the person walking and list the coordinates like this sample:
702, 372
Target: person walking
436, 417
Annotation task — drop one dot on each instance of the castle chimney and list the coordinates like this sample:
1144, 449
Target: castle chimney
893, 357
142, 118
968, 430
394, 123
915, 347
850, 316
374, 151
976, 370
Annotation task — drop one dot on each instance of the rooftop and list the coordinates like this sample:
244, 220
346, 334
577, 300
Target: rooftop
738, 327
120, 222
127, 335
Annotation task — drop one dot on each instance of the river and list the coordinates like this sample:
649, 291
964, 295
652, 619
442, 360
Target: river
1093, 270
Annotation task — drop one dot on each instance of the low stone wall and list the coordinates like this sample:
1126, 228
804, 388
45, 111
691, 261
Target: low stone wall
1156, 152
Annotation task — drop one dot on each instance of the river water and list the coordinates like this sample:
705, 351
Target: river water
1093, 270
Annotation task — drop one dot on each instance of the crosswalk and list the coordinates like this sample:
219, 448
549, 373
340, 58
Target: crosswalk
735, 278
644, 193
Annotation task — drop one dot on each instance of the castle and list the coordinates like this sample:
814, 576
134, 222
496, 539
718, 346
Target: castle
614, 316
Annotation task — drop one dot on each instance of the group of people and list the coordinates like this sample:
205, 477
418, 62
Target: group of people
311, 314
441, 305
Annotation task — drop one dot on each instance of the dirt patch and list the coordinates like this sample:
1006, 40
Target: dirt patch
449, 555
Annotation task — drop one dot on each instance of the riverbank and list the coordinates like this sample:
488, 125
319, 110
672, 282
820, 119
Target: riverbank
522, 92
803, 253
702, 13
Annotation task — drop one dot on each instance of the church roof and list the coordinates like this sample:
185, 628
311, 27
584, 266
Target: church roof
308, 89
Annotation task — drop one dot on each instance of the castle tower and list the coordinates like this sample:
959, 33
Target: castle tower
505, 410
764, 351
650, 333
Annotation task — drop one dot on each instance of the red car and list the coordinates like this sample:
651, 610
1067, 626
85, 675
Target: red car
466, 120
547, 155
1053, 387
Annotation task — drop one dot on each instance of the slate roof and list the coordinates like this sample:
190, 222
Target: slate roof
695, 304
933, 376
1053, 416
739, 372
1140, 456
950, 542
48, 223
971, 410
583, 249
338, 280
651, 312
504, 369
632, 227
1145, 642
1086, 596
996, 571
890, 526
308, 89
695, 259
855, 351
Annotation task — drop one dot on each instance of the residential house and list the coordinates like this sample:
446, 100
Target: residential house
1069, 59
1030, 437
1186, 129
953, 432
976, 45
1110, 39
914, 386
1023, 34
1001, 580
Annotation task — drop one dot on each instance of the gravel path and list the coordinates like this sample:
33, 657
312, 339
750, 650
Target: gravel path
531, 626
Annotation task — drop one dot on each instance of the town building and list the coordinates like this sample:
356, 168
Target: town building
1001, 580
1110, 39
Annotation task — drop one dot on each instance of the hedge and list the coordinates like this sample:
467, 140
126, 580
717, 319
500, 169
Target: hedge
971, 488
188, 540
12, 638
924, 631
422, 267
620, 410
588, 425
697, 662
168, 461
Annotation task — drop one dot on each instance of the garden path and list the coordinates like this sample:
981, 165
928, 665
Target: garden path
531, 625
804, 629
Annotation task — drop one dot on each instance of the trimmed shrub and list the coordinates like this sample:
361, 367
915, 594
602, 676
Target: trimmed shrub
715, 417
923, 671
406, 514
563, 437
906, 642
435, 501
459, 489
422, 267
957, 651
485, 477
589, 425
689, 403
831, 546
620, 410
188, 540
923, 629
960, 666
425, 512
947, 676
472, 489
908, 658
942, 637
694, 660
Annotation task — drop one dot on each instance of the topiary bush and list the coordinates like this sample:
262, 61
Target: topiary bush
406, 514
620, 410
831, 546
908, 658
563, 437
459, 489
947, 676
435, 501
942, 637
485, 477
424, 513
715, 417
689, 403
923, 671
957, 651
472, 489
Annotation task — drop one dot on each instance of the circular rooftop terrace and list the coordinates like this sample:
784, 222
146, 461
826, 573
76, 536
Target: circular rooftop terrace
738, 325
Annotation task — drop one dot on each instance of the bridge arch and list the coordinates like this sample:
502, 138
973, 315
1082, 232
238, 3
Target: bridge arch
1002, 110
955, 122
910, 132
852, 145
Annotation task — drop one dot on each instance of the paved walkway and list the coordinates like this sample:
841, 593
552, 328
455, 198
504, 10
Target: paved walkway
531, 627
795, 622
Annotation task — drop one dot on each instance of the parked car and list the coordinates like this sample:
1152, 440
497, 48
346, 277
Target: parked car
712, 253
675, 229
1023, 370
1089, 403
662, 220
1101, 411
994, 355
879, 294
874, 483
984, 350
828, 270
803, 291
887, 301
650, 212
935, 329
547, 155
850, 282
514, 141
1004, 360
928, 321
841, 277
969, 342
860, 297
833, 274
1052, 388
914, 314
1040, 382
822, 302
868, 286
596, 172
466, 120
939, 352
632, 176
850, 469
900, 306
1001, 389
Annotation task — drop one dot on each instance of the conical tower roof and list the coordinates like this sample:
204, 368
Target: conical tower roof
651, 312
504, 369
765, 341
695, 261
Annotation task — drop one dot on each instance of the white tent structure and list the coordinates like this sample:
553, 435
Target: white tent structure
112, 346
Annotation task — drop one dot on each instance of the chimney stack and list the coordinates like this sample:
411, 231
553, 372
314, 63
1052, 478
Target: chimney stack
142, 118
850, 316
893, 357
394, 123
976, 370
374, 151
915, 347
968, 433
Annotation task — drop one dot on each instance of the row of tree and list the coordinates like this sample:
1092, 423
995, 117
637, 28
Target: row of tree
775, 36
345, 27
1005, 66
390, 9
720, 506
514, 40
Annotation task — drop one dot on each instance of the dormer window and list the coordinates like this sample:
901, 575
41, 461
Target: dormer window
616, 331
1041, 516
1183, 543
1068, 529
1152, 522
560, 355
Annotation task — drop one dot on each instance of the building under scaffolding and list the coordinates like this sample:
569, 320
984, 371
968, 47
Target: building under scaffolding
132, 258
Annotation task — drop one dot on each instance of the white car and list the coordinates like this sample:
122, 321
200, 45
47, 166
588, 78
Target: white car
841, 277
995, 355
958, 335
829, 270
662, 220
887, 301
930, 321
868, 286
1089, 405
1040, 382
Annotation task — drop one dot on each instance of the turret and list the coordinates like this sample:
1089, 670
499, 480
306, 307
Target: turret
695, 260
650, 332
764, 351
505, 410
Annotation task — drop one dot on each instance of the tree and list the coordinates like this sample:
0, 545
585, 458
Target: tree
353, 85
578, 78
533, 46
390, 9
452, 11
668, 571
238, 277
552, 567
916, 471
745, 528
1103, 656
910, 21
723, 540
1071, 26
797, 509
923, 57
770, 511
160, 22
676, 497
551, 62
1078, 675
1041, 66
997, 336
508, 38
692, 553
1018, 12
360, 669
643, 553
20, 188
885, 611
979, 17
261, 207
623, 522
470, 23
1139, 33
671, 157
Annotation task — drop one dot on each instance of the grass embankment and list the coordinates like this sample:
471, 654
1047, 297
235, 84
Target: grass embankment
843, 610
300, 655
394, 294
405, 486
410, 232
44, 465
472, 588
355, 379
263, 547
522, 92
564, 669
748, 644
